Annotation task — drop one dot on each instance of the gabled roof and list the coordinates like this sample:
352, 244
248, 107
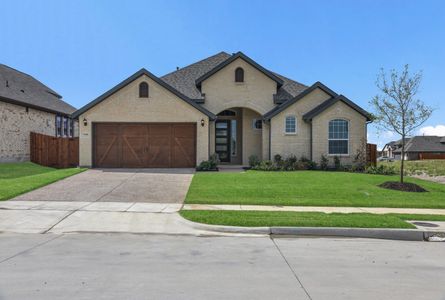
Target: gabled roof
131, 79
184, 78
331, 101
22, 89
318, 85
235, 56
424, 144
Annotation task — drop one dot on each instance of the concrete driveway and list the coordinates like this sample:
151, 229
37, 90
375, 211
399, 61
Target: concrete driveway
118, 185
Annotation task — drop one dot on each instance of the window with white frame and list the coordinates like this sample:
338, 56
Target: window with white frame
58, 125
290, 126
257, 124
338, 137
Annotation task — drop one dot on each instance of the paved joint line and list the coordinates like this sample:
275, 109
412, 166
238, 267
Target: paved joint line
30, 249
292, 270
120, 184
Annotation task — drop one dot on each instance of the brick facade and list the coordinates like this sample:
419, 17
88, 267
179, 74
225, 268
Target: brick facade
16, 122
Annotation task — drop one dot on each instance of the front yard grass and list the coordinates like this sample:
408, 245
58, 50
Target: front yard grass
419, 167
309, 188
19, 178
304, 219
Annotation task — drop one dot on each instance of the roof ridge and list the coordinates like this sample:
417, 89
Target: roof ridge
195, 63
287, 78
48, 89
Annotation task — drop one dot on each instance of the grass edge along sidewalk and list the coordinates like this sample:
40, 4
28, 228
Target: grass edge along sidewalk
305, 219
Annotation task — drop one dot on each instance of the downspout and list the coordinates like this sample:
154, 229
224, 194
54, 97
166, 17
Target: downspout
310, 143
270, 142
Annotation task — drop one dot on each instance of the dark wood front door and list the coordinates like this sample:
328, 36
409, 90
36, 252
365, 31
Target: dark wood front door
222, 140
148, 145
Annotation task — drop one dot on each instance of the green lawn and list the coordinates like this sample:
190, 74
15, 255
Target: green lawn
417, 167
309, 188
303, 219
19, 178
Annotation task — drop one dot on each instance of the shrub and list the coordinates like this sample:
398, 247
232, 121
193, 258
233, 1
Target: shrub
266, 165
381, 170
254, 161
209, 165
324, 163
337, 163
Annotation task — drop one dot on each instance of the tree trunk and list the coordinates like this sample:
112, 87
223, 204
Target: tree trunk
403, 159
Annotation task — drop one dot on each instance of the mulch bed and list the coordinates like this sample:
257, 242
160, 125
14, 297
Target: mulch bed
405, 187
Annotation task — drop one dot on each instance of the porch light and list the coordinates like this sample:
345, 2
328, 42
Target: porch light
202, 122
85, 122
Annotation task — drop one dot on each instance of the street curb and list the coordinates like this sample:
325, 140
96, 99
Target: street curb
374, 233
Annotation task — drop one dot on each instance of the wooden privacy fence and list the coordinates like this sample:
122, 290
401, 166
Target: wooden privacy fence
423, 156
371, 154
56, 152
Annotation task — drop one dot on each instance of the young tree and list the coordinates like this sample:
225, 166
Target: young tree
397, 108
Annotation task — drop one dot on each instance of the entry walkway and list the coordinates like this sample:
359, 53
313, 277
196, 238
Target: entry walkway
324, 209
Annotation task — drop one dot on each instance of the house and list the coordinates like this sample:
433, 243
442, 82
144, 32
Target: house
224, 104
420, 147
28, 105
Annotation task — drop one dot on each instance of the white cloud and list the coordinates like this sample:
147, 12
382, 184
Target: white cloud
388, 134
433, 130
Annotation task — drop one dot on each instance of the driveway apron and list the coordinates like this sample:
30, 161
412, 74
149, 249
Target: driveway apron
118, 185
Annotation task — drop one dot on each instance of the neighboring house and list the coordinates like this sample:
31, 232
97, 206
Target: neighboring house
224, 104
420, 147
28, 105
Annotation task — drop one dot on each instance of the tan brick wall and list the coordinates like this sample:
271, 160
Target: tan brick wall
222, 92
297, 144
252, 138
357, 131
254, 95
15, 127
126, 106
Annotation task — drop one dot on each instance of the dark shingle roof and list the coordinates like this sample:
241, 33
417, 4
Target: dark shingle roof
22, 89
424, 144
184, 79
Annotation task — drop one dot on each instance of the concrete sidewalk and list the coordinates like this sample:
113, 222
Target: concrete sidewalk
324, 209
76, 216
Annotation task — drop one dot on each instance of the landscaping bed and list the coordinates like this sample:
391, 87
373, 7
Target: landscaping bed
19, 178
304, 219
310, 188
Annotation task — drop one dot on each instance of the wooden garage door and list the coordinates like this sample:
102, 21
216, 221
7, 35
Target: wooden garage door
151, 145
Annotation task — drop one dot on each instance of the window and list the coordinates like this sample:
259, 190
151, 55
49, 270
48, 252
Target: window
239, 75
233, 137
58, 125
71, 130
257, 124
290, 126
338, 137
227, 113
65, 126
143, 90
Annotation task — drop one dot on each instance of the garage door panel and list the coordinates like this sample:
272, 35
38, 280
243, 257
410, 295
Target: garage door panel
159, 145
134, 141
159, 154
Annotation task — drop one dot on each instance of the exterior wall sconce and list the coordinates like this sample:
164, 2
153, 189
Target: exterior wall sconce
85, 122
202, 122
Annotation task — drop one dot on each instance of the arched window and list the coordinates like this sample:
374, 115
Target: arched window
239, 75
338, 137
143, 90
227, 113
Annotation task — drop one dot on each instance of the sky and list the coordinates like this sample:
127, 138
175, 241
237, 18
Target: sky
83, 48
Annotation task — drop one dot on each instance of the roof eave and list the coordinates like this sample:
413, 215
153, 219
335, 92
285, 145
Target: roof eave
237, 55
130, 79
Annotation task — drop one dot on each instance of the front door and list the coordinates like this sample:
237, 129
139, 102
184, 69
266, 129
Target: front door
222, 140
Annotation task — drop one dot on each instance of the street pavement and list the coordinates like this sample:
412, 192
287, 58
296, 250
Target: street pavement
136, 266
